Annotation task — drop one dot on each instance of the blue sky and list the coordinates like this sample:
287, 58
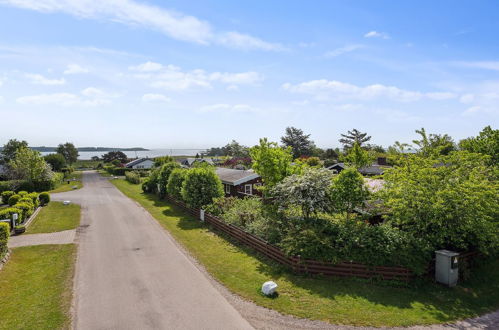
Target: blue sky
178, 74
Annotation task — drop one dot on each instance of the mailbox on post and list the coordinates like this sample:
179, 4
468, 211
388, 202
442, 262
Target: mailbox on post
446, 267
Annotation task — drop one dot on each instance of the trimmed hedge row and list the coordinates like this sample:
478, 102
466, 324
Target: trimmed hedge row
4, 237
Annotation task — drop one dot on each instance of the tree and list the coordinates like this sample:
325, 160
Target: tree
352, 137
95, 158
398, 148
11, 147
68, 151
164, 175
358, 157
271, 162
434, 144
158, 161
201, 186
308, 191
234, 149
28, 165
175, 181
452, 201
115, 155
348, 191
56, 161
486, 143
298, 141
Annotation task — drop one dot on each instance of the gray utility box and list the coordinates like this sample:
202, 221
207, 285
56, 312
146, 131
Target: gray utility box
446, 267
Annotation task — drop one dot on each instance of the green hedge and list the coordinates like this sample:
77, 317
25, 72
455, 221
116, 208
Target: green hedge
4, 238
44, 198
6, 195
132, 177
7, 213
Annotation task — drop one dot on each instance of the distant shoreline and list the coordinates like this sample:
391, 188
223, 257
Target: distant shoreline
90, 149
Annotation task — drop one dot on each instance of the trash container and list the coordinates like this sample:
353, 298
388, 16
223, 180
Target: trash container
446, 267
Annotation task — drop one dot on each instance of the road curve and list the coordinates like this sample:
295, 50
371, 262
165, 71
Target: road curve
131, 275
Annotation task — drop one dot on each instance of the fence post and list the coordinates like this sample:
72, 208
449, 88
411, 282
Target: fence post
201, 215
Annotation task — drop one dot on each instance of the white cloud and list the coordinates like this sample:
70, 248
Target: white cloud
150, 97
486, 65
467, 98
171, 77
89, 97
38, 79
75, 69
330, 89
169, 22
147, 67
376, 34
343, 50
246, 42
230, 108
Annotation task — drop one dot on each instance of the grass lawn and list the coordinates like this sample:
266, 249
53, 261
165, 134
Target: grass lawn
64, 186
36, 287
335, 300
55, 217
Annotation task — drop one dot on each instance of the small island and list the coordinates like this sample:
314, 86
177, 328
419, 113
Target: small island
90, 149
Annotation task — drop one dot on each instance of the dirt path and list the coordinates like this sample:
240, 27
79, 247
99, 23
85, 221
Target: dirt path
131, 275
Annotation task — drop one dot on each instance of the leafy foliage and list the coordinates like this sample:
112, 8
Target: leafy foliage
13, 199
164, 175
308, 191
175, 181
348, 191
29, 166
487, 143
132, 177
358, 157
11, 147
453, 202
120, 156
271, 162
68, 151
44, 198
6, 195
158, 161
299, 142
201, 186
434, 144
352, 137
56, 161
4, 238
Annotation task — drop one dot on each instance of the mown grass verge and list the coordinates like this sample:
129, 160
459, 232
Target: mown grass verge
335, 300
55, 217
64, 186
36, 287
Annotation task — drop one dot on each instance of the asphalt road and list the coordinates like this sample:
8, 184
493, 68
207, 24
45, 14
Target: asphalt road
131, 275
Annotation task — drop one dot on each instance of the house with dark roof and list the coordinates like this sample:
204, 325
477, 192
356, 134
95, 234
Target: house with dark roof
239, 183
139, 164
337, 168
377, 168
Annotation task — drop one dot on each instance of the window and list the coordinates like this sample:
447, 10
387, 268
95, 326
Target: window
248, 189
227, 189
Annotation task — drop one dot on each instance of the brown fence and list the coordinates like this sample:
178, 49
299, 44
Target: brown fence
306, 266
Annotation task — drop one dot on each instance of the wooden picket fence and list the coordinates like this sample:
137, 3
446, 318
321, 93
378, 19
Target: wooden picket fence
297, 264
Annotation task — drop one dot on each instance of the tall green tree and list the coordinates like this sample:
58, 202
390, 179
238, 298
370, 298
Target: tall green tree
111, 156
486, 143
56, 161
28, 165
271, 162
68, 151
348, 191
201, 186
433, 145
11, 147
358, 157
235, 149
352, 137
299, 142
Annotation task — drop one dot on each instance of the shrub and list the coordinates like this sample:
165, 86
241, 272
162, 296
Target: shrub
14, 199
220, 205
44, 198
27, 209
174, 186
164, 175
348, 191
26, 200
132, 177
150, 184
4, 238
6, 195
22, 193
34, 198
200, 186
8, 212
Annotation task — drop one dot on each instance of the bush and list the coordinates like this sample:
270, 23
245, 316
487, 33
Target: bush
27, 209
6, 195
201, 186
164, 175
132, 177
19, 229
44, 198
4, 238
22, 193
34, 198
26, 200
175, 181
14, 199
8, 212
